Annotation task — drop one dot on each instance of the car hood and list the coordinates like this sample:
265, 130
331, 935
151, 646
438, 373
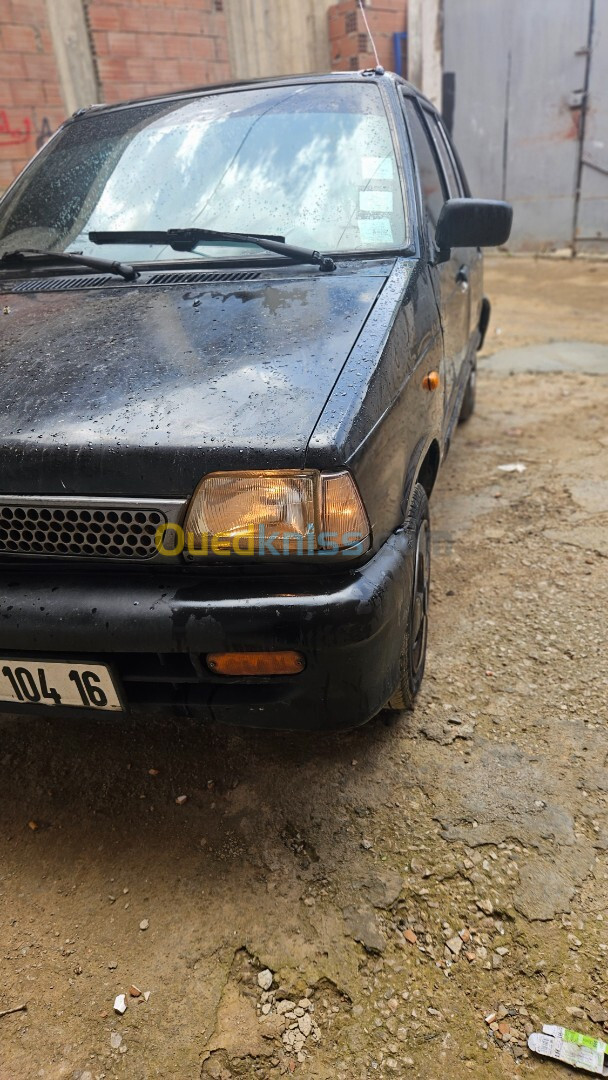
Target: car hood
141, 390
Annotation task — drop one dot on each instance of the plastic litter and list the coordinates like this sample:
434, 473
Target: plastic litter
579, 1051
514, 466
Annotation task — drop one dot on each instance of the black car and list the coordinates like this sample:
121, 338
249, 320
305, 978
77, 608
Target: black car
239, 326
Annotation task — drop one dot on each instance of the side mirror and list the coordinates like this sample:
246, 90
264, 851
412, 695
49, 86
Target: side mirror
472, 223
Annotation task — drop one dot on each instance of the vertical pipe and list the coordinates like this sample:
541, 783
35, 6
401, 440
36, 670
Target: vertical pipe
582, 124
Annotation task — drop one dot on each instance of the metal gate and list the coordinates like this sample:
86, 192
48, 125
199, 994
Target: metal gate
528, 100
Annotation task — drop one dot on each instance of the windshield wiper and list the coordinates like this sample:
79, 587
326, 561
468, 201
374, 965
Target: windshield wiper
190, 239
32, 257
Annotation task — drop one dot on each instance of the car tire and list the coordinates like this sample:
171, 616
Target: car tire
413, 649
468, 402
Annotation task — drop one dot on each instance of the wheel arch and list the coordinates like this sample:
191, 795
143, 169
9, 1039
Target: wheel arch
423, 469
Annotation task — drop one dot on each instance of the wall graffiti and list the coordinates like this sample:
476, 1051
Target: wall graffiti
16, 133
44, 133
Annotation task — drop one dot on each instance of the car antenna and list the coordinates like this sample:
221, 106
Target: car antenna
379, 68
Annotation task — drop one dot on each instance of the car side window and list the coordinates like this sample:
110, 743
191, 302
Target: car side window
432, 183
455, 189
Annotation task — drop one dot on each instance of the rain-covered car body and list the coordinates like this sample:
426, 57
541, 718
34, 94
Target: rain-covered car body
120, 394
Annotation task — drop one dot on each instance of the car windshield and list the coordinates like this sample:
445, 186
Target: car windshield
314, 163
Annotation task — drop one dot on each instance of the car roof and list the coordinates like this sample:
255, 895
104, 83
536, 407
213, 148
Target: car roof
365, 75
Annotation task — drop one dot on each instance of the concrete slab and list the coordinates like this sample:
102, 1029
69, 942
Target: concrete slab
584, 357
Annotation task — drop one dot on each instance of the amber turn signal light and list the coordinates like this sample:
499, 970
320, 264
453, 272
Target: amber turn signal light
431, 381
286, 662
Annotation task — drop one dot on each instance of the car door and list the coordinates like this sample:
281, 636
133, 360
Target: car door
472, 257
469, 259
452, 275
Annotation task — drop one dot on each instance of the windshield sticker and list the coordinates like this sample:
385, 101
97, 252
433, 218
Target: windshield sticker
377, 168
375, 231
376, 202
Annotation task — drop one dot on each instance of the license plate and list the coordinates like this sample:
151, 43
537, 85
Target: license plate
53, 683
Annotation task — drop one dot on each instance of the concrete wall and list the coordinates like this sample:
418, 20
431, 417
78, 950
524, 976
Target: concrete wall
270, 38
283, 36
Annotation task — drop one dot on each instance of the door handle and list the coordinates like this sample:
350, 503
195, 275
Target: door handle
462, 279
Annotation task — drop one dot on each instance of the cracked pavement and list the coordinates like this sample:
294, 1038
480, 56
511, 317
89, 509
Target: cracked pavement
406, 880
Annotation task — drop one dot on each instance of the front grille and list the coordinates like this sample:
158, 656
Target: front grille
79, 531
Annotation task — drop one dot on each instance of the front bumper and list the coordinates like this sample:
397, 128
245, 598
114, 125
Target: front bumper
155, 630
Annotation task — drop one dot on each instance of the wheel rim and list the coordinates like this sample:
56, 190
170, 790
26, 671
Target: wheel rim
420, 598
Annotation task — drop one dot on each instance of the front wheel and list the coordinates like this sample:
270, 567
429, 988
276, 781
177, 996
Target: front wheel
413, 650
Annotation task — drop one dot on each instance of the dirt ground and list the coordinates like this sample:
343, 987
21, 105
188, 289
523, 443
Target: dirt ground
398, 884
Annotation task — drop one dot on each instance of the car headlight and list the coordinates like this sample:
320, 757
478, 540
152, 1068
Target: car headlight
276, 512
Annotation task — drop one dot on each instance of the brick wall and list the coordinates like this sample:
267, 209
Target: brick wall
349, 42
31, 105
149, 46
140, 47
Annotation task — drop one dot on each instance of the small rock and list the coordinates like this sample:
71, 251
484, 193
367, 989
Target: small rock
134, 992
454, 944
573, 1010
115, 1040
490, 1018
366, 845
33, 825
146, 995
144, 924
305, 1024
384, 889
265, 979
285, 1007
410, 936
181, 799
112, 965
486, 906
266, 1007
362, 926
464, 935
120, 1004
504, 1028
